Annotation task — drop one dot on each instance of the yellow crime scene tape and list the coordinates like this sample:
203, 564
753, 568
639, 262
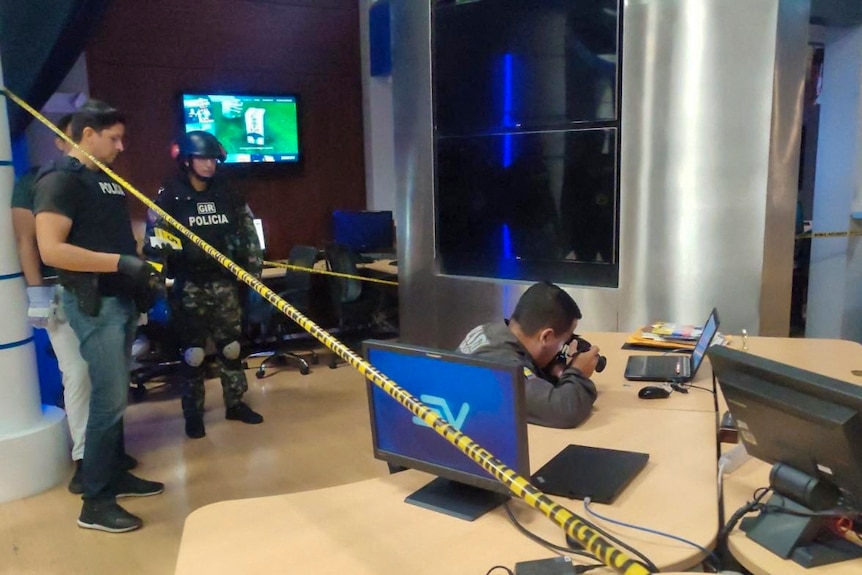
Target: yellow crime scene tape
329, 273
809, 235
578, 528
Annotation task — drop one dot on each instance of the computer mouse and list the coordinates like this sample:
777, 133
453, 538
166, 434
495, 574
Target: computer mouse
654, 392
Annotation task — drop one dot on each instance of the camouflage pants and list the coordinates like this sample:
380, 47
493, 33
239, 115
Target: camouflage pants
210, 310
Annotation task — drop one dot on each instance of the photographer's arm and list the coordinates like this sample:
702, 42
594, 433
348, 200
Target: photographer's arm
564, 405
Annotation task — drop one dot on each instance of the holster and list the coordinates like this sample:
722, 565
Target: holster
85, 286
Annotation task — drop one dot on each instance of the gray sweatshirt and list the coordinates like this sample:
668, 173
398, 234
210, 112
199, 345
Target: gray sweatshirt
563, 405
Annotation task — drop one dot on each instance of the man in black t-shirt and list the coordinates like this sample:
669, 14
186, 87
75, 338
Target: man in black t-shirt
83, 229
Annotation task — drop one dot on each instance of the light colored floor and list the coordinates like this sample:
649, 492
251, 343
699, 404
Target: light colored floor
315, 434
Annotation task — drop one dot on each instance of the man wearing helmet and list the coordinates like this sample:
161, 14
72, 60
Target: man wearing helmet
205, 294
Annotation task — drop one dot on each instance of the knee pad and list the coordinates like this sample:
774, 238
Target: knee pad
231, 350
194, 356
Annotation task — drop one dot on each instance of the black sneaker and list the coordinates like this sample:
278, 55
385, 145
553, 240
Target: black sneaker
242, 412
107, 516
130, 486
76, 484
195, 427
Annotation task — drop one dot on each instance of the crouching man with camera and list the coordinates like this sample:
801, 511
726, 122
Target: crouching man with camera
559, 391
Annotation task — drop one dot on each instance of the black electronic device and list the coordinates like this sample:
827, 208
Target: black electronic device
676, 368
371, 233
809, 427
580, 471
654, 392
581, 345
483, 399
553, 566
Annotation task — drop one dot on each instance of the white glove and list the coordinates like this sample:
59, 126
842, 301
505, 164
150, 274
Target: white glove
39, 310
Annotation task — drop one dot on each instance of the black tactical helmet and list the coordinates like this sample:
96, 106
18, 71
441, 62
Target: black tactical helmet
201, 144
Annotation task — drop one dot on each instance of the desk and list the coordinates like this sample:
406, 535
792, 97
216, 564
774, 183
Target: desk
366, 528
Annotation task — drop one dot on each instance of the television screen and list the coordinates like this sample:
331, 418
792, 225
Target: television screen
364, 231
483, 399
251, 128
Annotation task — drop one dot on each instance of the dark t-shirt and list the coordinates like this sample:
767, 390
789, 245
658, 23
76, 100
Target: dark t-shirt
22, 197
97, 207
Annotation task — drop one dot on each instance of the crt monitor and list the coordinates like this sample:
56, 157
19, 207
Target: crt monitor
364, 231
483, 399
809, 427
252, 128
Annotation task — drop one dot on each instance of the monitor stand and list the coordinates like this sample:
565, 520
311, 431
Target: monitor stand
795, 537
456, 499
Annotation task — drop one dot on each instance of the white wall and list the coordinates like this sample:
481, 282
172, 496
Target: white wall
377, 119
835, 289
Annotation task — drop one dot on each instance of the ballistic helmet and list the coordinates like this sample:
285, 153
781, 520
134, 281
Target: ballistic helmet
198, 143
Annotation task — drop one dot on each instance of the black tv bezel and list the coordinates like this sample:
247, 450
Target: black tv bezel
488, 483
240, 168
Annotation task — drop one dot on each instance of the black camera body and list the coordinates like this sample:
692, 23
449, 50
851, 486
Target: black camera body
581, 345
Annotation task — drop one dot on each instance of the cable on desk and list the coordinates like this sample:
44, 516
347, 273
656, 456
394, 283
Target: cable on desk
541, 541
750, 506
503, 567
716, 564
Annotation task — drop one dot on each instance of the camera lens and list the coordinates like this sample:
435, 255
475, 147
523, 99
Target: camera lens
601, 364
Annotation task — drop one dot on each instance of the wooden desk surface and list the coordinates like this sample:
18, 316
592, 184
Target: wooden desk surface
366, 528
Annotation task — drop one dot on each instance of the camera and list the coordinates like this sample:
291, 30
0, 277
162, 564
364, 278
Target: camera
581, 345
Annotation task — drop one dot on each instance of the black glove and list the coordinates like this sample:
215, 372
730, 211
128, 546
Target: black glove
146, 282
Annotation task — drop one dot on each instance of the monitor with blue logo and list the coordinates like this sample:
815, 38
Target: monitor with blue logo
480, 398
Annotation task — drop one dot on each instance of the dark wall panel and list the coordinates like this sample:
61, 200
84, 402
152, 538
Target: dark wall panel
147, 51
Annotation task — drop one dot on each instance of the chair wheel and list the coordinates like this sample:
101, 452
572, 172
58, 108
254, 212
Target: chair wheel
304, 370
333, 362
315, 359
259, 374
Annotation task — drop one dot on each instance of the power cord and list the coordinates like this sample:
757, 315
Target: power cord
750, 506
543, 542
716, 564
503, 567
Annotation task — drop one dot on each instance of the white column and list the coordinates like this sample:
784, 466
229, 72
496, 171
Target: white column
34, 452
835, 284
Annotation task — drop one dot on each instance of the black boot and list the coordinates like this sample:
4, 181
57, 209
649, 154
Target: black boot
242, 412
106, 515
195, 427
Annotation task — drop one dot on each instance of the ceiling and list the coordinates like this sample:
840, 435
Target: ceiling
836, 12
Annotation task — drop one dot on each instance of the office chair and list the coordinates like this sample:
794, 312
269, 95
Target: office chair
353, 303
295, 288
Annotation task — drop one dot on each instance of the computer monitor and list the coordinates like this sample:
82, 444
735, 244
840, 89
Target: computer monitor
810, 427
481, 398
364, 231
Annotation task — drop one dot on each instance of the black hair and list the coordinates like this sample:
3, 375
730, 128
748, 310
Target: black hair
97, 115
64, 122
546, 305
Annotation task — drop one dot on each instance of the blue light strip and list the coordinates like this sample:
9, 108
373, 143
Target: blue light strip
508, 121
12, 276
507, 242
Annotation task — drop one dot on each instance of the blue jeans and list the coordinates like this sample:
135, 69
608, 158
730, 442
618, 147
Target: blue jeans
106, 346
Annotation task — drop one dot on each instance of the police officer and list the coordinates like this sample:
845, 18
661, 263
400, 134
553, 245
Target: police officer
83, 229
205, 295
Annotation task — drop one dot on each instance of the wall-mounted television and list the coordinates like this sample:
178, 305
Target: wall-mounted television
252, 128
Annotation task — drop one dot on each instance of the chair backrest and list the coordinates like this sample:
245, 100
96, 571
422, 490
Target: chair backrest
343, 259
304, 257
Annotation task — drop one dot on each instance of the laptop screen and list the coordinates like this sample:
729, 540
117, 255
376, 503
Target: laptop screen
710, 328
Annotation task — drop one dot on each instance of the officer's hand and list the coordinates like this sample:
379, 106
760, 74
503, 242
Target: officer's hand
39, 309
147, 283
135, 268
586, 362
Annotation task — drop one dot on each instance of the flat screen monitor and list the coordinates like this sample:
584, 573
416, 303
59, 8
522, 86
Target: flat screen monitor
810, 427
252, 128
364, 231
483, 399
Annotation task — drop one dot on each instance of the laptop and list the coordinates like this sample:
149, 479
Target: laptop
675, 368
579, 471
